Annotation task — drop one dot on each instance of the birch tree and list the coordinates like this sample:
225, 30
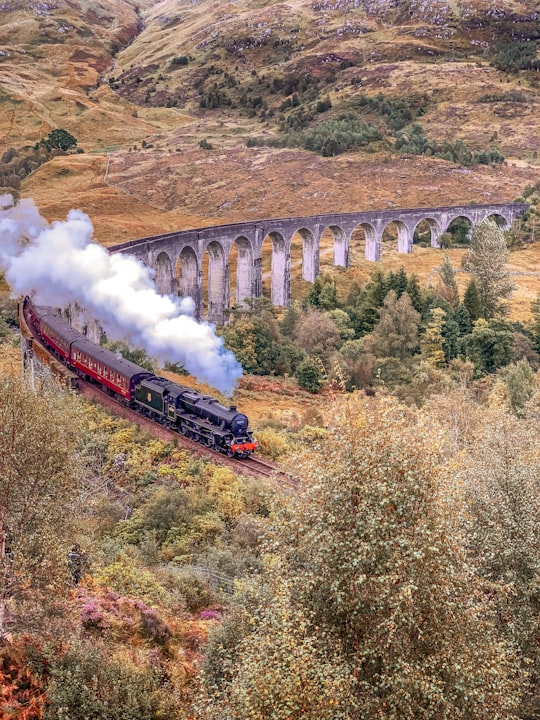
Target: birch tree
486, 260
383, 609
38, 436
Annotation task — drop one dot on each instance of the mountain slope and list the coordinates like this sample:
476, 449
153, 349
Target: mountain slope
206, 109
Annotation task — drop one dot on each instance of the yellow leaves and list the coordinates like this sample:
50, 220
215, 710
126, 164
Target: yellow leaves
123, 440
224, 488
272, 443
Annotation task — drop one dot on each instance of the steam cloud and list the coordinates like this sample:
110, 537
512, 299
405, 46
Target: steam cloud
60, 263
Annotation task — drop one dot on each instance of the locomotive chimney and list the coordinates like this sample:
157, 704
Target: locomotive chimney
232, 407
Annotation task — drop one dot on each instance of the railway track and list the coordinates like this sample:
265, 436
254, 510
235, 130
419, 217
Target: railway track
251, 465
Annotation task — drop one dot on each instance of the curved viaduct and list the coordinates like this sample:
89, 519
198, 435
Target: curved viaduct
177, 257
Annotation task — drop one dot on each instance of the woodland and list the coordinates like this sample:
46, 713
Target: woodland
396, 576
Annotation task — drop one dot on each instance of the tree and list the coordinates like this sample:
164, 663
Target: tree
134, 355
309, 376
502, 490
382, 610
450, 333
447, 287
60, 139
396, 333
486, 260
253, 336
342, 321
366, 312
432, 343
463, 319
489, 346
534, 325
519, 379
414, 291
398, 281
38, 437
317, 334
288, 323
323, 293
472, 302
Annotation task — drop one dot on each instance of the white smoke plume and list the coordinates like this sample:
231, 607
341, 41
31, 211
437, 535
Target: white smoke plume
60, 263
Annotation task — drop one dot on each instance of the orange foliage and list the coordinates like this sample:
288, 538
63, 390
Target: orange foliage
21, 695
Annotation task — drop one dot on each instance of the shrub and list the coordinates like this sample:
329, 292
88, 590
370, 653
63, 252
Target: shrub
195, 590
515, 56
272, 443
85, 682
126, 578
309, 376
180, 60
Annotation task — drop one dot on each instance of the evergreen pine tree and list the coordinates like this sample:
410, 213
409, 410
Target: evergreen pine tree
415, 293
328, 295
399, 281
472, 301
313, 297
367, 312
450, 333
463, 319
288, 323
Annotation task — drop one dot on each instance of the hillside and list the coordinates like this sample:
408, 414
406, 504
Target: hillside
147, 83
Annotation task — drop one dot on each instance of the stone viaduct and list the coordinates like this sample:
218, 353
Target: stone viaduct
177, 257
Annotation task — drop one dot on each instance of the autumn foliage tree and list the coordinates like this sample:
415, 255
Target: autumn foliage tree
38, 437
371, 588
396, 333
486, 260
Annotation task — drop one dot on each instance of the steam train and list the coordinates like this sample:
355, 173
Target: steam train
197, 416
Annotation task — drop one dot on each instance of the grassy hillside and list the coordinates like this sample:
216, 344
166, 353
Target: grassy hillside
191, 114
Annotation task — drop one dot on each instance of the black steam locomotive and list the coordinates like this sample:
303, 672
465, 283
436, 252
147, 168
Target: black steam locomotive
197, 416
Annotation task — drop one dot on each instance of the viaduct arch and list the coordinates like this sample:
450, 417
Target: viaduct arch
178, 258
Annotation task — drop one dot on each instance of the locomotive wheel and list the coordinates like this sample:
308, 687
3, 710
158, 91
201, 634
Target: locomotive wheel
230, 453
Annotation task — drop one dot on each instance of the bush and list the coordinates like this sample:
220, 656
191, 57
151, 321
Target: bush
195, 591
516, 56
126, 578
272, 443
180, 60
86, 683
309, 376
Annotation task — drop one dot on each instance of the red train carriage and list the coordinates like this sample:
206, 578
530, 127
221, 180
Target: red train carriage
114, 373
